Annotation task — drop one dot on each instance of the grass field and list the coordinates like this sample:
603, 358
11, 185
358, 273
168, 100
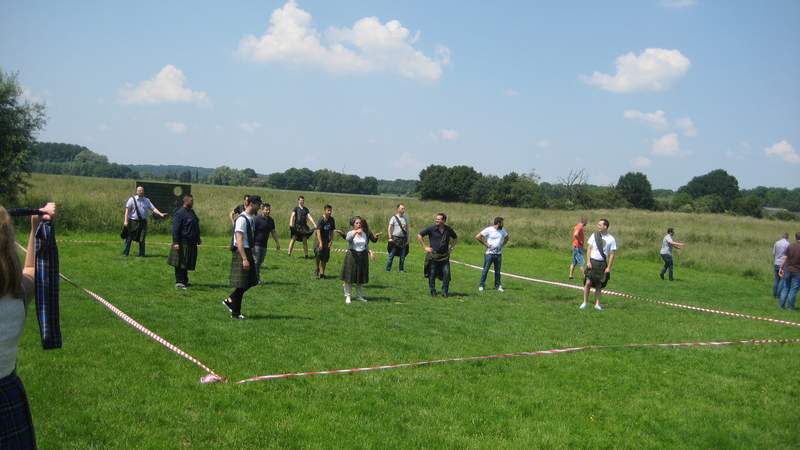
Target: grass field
112, 387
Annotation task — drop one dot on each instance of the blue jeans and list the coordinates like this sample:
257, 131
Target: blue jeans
488, 260
667, 266
400, 253
777, 286
791, 284
577, 257
258, 256
442, 268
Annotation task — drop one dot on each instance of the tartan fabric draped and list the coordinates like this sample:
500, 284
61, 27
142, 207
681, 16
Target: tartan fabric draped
47, 286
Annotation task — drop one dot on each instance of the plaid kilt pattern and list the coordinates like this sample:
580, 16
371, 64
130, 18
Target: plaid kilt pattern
597, 275
183, 258
356, 267
241, 278
16, 425
137, 230
301, 231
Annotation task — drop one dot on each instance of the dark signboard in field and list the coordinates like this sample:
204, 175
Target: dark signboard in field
167, 197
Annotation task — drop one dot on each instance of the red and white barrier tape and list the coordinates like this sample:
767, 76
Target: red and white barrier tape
554, 351
635, 297
209, 377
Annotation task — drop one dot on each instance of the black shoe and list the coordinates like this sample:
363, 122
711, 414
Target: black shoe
322, 276
433, 293
661, 275
237, 316
227, 305
445, 294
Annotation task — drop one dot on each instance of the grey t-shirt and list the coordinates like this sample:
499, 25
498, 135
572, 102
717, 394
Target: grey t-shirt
396, 229
666, 245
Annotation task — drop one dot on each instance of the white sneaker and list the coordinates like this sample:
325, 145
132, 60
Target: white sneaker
598, 307
500, 289
583, 305
480, 288
347, 299
362, 299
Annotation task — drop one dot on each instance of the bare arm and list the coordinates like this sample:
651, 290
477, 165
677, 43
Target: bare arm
589, 256
291, 220
232, 216
678, 244
479, 238
275, 237
240, 249
155, 210
611, 259
314, 224
29, 269
125, 219
390, 230
318, 235
425, 247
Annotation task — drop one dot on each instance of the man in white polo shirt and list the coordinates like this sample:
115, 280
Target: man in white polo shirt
494, 238
602, 250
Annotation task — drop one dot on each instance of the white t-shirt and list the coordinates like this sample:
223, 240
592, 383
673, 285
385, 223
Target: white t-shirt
12, 322
611, 246
241, 227
144, 206
357, 243
666, 245
494, 240
396, 230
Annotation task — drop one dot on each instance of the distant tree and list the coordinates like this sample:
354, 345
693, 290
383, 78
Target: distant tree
748, 205
679, 200
249, 173
20, 120
430, 181
185, 176
636, 189
223, 175
717, 182
712, 203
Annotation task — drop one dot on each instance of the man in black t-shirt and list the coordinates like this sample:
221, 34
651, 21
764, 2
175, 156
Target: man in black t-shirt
322, 250
264, 227
298, 225
442, 239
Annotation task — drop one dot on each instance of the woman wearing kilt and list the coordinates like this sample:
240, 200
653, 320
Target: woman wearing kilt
185, 239
243, 271
16, 289
356, 261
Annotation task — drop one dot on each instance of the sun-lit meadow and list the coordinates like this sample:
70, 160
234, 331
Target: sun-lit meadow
112, 387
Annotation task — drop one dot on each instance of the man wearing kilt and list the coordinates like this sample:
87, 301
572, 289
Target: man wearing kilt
298, 225
355, 269
602, 250
437, 255
243, 272
137, 208
185, 239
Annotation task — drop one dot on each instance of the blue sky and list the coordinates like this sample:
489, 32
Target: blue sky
671, 88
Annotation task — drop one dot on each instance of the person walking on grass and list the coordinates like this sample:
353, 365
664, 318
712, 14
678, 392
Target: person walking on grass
298, 225
578, 259
602, 250
442, 240
494, 238
264, 228
778, 255
185, 239
790, 272
355, 269
667, 244
398, 238
324, 240
137, 209
243, 271
16, 290
235, 212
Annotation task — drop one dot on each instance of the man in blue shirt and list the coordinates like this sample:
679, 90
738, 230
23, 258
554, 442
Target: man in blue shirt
442, 240
185, 239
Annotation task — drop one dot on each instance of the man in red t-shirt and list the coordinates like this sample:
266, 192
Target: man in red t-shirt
577, 247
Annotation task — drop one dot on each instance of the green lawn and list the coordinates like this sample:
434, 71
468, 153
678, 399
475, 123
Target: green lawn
112, 387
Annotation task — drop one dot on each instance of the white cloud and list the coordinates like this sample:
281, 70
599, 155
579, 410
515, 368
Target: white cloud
250, 127
784, 151
686, 126
167, 86
408, 161
667, 145
653, 70
445, 134
677, 4
641, 162
544, 143
657, 119
176, 127
369, 46
511, 92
